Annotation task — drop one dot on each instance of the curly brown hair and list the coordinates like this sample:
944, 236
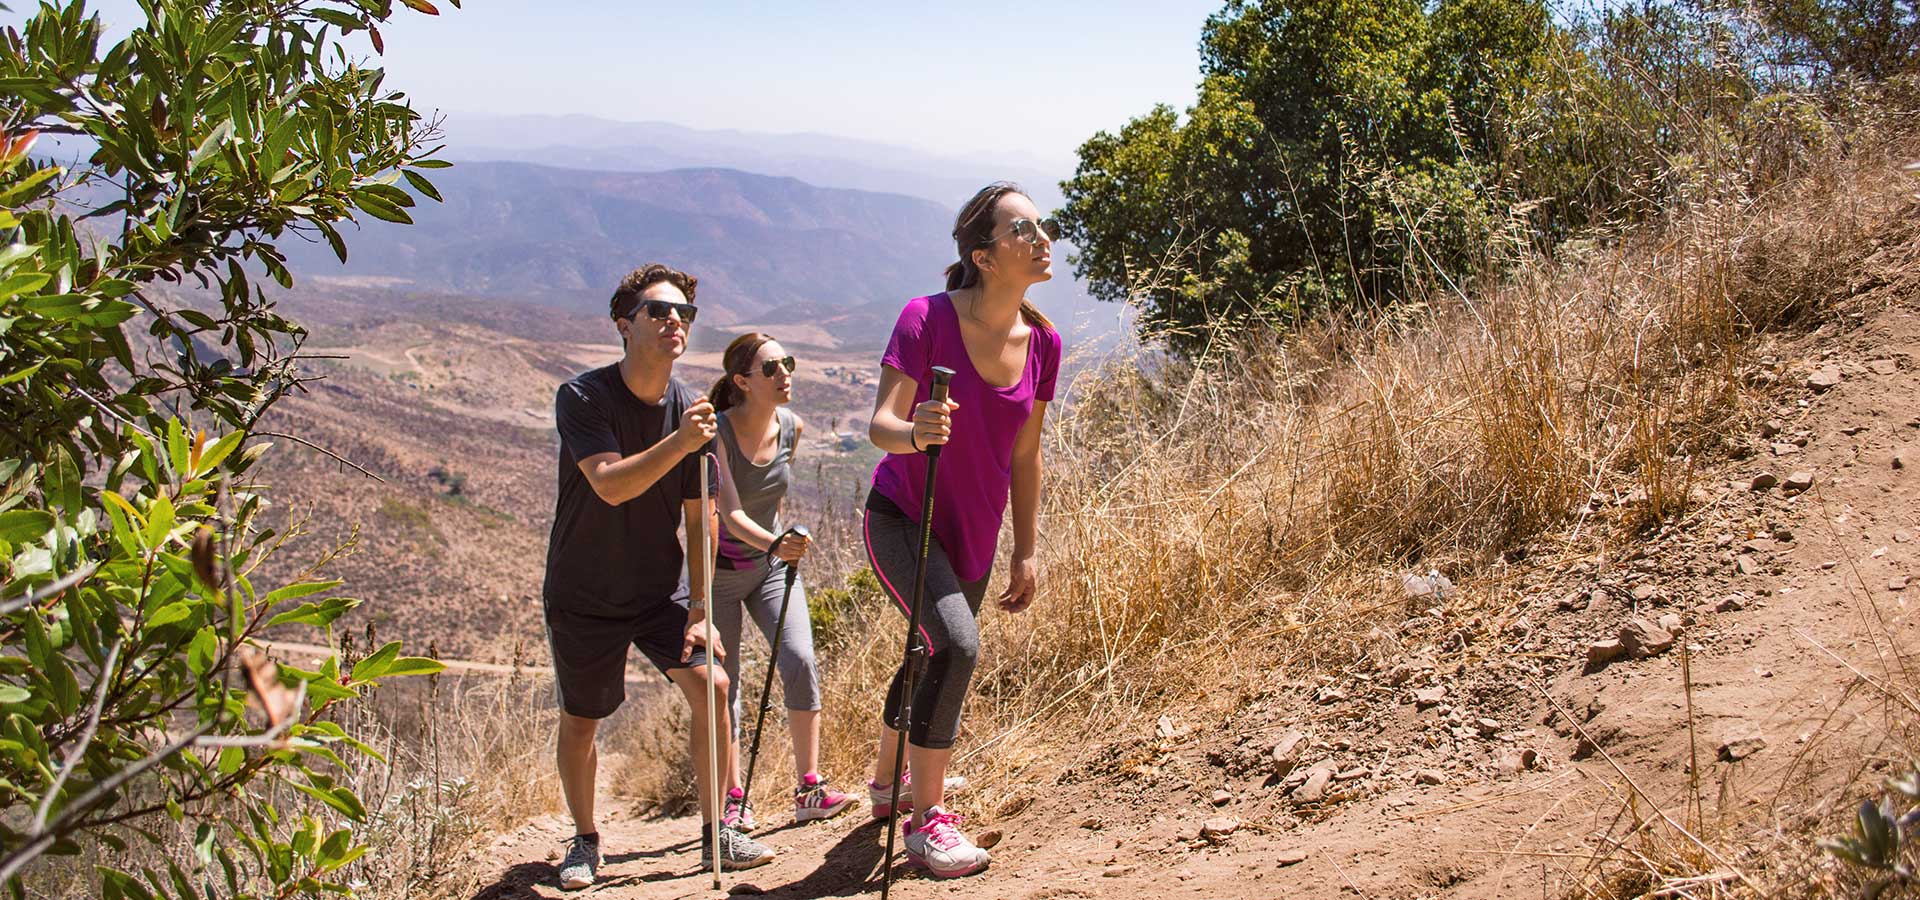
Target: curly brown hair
626, 297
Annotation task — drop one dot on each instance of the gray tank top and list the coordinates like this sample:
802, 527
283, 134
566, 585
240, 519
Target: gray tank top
758, 487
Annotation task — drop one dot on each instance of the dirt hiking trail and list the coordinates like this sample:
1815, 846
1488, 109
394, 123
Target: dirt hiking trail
1498, 773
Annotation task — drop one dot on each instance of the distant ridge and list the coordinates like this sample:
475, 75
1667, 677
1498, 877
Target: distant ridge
587, 142
765, 248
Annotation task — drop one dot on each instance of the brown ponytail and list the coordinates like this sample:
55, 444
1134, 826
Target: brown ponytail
736, 361
973, 229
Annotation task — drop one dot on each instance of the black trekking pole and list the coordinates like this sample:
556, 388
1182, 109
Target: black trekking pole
916, 654
773, 659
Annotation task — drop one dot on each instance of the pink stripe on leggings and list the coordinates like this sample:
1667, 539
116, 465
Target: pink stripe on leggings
866, 526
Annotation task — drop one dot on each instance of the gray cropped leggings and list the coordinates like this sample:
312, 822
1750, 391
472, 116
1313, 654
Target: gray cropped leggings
759, 589
948, 623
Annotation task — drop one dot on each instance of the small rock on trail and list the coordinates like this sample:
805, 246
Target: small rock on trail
1219, 829
1641, 638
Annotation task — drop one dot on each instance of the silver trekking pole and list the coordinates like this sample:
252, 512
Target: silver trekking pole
916, 653
773, 659
713, 723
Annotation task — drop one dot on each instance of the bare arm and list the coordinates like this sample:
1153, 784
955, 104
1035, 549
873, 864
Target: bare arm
900, 427
1026, 483
617, 479
1023, 574
700, 523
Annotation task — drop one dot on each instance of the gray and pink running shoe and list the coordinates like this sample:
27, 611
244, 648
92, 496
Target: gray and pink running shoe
881, 795
940, 848
814, 799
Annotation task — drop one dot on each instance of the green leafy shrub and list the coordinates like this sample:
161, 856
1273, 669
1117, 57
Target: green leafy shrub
134, 691
1344, 156
1881, 848
829, 608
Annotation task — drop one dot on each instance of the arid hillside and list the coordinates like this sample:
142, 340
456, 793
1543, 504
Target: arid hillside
1593, 584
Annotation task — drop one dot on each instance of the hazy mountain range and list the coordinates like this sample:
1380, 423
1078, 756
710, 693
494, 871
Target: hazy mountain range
765, 249
769, 248
585, 142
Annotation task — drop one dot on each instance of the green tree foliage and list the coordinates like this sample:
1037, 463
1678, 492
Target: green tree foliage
1872, 39
1325, 131
128, 539
1353, 155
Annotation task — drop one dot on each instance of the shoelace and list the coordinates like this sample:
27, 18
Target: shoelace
943, 829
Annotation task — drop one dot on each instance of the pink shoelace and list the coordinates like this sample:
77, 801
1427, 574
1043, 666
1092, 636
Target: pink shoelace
943, 829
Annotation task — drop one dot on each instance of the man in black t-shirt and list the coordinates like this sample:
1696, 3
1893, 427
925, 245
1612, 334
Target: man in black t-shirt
631, 436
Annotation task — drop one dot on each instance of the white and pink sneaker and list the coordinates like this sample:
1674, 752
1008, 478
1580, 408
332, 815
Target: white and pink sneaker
814, 799
940, 848
881, 795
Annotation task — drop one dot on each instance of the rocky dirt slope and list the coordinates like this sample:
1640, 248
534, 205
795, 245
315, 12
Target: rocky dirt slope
1686, 709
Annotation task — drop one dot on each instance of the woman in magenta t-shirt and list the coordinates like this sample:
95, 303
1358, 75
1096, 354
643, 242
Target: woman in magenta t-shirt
1005, 356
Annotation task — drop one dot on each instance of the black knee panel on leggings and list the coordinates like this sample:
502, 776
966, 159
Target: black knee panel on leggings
947, 617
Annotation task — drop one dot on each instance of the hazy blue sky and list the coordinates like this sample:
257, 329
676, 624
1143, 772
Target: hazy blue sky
1001, 79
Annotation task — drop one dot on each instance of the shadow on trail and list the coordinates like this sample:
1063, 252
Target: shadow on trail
848, 869
518, 881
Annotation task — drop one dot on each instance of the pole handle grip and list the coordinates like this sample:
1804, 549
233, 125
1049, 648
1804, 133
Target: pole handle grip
793, 569
942, 377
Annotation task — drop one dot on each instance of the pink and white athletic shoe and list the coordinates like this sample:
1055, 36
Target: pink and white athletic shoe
881, 795
815, 799
940, 848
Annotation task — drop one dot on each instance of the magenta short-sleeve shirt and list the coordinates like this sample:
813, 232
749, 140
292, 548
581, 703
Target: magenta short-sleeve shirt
976, 468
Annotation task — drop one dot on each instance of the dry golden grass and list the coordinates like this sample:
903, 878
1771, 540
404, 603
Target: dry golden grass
1237, 516
1206, 521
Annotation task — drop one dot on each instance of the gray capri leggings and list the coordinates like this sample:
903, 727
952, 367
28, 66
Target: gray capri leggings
759, 589
947, 621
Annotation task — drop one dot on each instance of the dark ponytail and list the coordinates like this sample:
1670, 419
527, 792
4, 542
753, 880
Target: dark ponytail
736, 361
973, 229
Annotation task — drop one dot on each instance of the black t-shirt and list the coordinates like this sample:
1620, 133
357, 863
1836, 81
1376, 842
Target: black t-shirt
618, 561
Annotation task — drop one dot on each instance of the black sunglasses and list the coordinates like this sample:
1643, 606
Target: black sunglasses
1028, 230
659, 309
769, 367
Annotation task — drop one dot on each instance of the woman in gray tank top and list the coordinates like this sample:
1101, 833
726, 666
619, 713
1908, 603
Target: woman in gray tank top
757, 438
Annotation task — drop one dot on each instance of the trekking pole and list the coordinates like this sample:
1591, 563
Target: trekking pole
713, 726
916, 654
773, 658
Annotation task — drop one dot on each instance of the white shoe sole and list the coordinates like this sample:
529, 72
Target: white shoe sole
574, 884
707, 864
962, 872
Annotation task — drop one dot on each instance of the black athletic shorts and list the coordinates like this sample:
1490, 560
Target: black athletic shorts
590, 653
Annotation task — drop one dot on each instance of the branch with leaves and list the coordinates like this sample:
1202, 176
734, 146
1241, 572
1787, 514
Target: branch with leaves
131, 682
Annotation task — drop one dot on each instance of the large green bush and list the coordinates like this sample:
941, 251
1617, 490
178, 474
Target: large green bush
129, 528
1346, 155
1326, 136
